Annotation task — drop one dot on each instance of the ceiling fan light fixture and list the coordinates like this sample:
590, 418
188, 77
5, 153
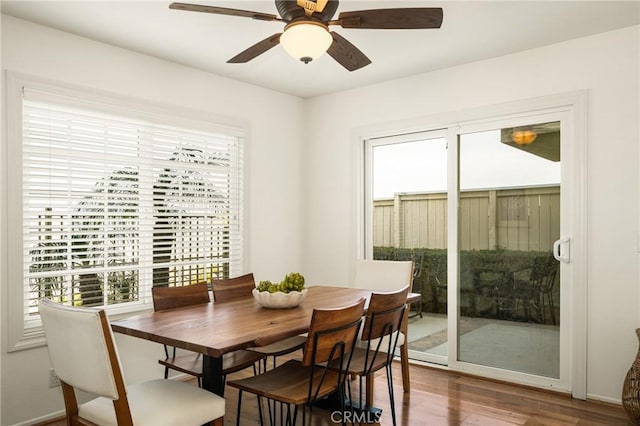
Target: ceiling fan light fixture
523, 137
306, 40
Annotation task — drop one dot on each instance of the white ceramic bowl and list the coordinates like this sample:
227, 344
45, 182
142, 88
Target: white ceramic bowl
279, 300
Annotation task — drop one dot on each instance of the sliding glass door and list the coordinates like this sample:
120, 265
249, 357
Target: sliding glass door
482, 208
408, 204
509, 300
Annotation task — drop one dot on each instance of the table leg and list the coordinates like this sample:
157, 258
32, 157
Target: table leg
212, 379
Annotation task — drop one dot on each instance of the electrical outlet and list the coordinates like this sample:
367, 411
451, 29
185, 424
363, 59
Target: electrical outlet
53, 379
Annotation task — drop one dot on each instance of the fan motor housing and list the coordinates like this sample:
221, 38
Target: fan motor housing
290, 11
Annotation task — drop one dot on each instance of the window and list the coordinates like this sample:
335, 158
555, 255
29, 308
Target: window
114, 202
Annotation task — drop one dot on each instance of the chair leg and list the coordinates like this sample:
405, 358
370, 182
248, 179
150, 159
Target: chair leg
349, 393
342, 407
291, 418
272, 414
239, 406
256, 371
392, 401
259, 409
404, 363
551, 308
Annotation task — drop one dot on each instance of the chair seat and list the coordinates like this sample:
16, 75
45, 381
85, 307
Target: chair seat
239, 360
188, 364
288, 383
159, 402
282, 347
231, 362
357, 365
385, 342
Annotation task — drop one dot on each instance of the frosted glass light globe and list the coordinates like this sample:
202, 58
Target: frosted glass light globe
306, 40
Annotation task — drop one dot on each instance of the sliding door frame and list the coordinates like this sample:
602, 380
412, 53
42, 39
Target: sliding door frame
573, 106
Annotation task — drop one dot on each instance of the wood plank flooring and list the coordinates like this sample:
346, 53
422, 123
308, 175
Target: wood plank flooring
440, 398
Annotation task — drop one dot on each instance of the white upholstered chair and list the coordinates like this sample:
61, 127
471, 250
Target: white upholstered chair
386, 276
83, 354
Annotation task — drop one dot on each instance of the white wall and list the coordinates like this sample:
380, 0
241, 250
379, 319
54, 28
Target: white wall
59, 56
322, 242
607, 67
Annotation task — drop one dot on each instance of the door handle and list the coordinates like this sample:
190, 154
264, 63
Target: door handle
565, 255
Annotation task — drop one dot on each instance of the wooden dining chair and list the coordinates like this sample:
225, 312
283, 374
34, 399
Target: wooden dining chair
165, 298
379, 339
331, 338
241, 287
84, 356
385, 276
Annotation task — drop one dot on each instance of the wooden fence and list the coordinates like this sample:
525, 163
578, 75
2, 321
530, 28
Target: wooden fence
525, 219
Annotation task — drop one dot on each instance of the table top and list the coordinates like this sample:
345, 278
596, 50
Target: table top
214, 329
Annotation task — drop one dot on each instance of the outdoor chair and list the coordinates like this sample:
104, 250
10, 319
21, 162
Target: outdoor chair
536, 289
331, 338
165, 298
241, 287
388, 276
84, 356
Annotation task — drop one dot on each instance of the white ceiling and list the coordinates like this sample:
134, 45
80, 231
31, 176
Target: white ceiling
471, 31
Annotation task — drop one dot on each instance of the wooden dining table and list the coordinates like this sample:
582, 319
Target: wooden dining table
214, 329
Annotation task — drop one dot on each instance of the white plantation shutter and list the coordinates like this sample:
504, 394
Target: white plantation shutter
113, 204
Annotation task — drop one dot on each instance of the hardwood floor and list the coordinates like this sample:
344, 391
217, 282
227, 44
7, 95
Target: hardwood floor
439, 397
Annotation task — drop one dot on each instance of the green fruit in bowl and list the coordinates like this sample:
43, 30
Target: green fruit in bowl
264, 285
293, 281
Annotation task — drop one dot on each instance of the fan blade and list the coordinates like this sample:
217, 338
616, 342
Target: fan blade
346, 54
402, 19
224, 11
257, 49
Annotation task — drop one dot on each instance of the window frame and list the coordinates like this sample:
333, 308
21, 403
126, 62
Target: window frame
22, 333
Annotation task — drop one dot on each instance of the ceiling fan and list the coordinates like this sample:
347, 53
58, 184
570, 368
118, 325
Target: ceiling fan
306, 34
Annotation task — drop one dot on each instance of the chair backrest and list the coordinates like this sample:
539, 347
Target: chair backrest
83, 355
330, 341
78, 347
384, 316
332, 333
544, 271
382, 326
384, 275
177, 297
225, 290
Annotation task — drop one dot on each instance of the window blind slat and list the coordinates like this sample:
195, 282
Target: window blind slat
114, 205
